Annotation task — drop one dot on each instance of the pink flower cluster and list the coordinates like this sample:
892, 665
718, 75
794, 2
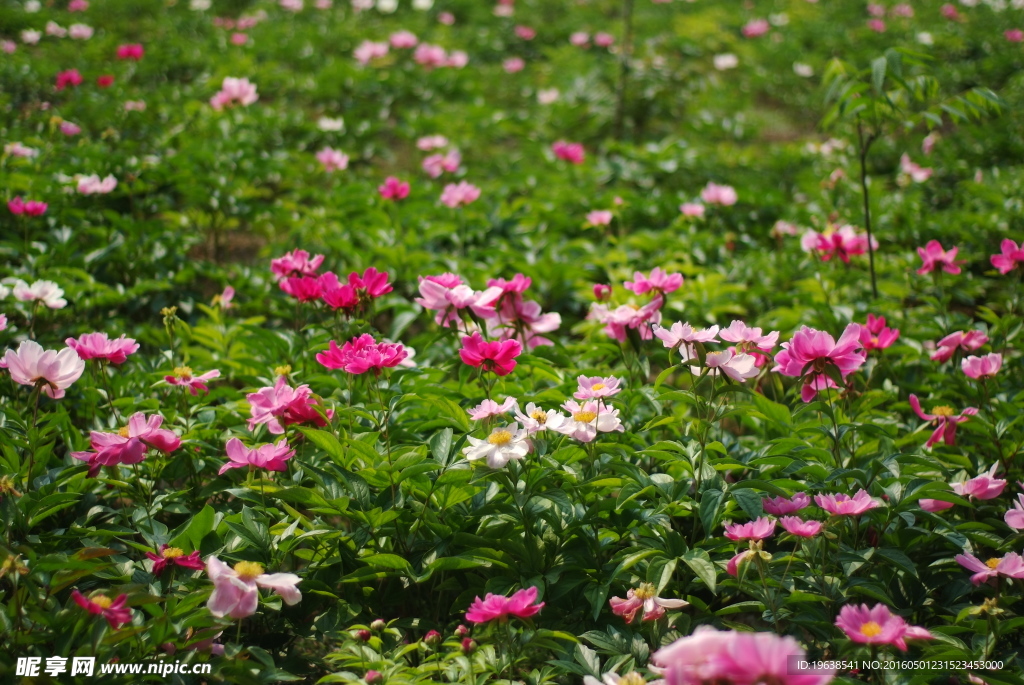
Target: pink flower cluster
281, 405
234, 91
17, 206
522, 604
811, 353
516, 318
569, 152
842, 242
362, 354
130, 444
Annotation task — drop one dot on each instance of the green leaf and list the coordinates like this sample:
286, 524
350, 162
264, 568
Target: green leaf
700, 563
878, 68
709, 504
749, 501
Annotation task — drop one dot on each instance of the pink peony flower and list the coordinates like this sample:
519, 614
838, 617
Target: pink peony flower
489, 408
295, 263
815, 350
1015, 517
983, 487
714, 194
224, 299
759, 529
877, 626
130, 444
18, 149
71, 77
794, 525
969, 341
844, 505
1014, 35
368, 50
182, 376
371, 284
337, 295
17, 206
599, 217
281, 405
692, 209
604, 40
950, 12
3, 322
602, 292
1010, 256
747, 338
934, 505
437, 164
569, 152
403, 40
946, 421
45, 292
843, 242
362, 354
98, 346
434, 142
755, 28
917, 174
876, 25
596, 387
234, 91
393, 189
513, 65
932, 256
94, 185
779, 506
272, 457
617, 321
659, 281
70, 129
982, 367
302, 288
430, 56
132, 51
239, 38
736, 365
446, 294
105, 80
1010, 566
52, 371
875, 336
643, 597
115, 611
332, 160
78, 5
173, 556
460, 194
525, 32
586, 420
580, 39
498, 608
235, 591
495, 356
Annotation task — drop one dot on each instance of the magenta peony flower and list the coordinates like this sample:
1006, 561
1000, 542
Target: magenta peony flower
659, 281
281, 405
98, 346
496, 607
875, 336
569, 152
643, 597
71, 77
302, 288
933, 256
877, 625
183, 377
947, 347
18, 206
295, 263
174, 556
815, 350
371, 284
272, 457
130, 444
794, 525
1014, 35
755, 28
336, 294
844, 505
842, 242
498, 357
779, 506
982, 367
984, 487
447, 294
1011, 566
132, 51
1010, 256
235, 591
393, 189
946, 421
52, 371
934, 505
758, 529
115, 611
362, 354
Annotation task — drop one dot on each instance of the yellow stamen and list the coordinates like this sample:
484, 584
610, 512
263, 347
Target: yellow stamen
597, 386
645, 591
248, 570
584, 416
993, 562
102, 601
943, 410
283, 370
539, 416
123, 432
173, 553
633, 678
871, 629
183, 372
500, 437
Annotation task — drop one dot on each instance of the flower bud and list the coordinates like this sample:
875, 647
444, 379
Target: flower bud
468, 645
378, 625
432, 638
461, 632
364, 635
374, 677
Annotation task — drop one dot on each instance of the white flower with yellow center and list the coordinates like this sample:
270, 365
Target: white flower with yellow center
535, 419
586, 420
503, 444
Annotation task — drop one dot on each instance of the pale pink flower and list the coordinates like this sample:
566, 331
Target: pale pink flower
604, 40
759, 529
332, 160
816, 350
403, 40
446, 294
504, 444
93, 185
272, 457
51, 370
432, 142
513, 65
368, 50
736, 365
794, 525
599, 217
70, 129
933, 256
783, 228
238, 38
659, 281
234, 91
525, 32
182, 376
917, 173
235, 591
446, 18
1010, 566
1015, 517
457, 59
459, 194
628, 316
725, 61
437, 164
134, 106
580, 39
18, 149
8, 46
877, 626
47, 293
31, 37
983, 487
490, 408
844, 505
99, 346
946, 421
714, 194
430, 56
586, 420
56, 30
291, 5
982, 367
876, 10
755, 28
782, 505
692, 209
643, 598
683, 333
747, 338
534, 419
969, 342
596, 387
80, 31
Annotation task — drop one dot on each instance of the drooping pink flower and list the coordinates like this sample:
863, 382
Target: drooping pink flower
496, 356
362, 354
659, 281
934, 505
489, 408
984, 487
946, 421
272, 457
522, 604
369, 50
235, 591
816, 350
643, 597
71, 77
130, 444
295, 263
332, 160
182, 376
569, 152
596, 387
933, 256
1010, 566
877, 625
794, 525
1015, 517
982, 367
393, 189
174, 556
51, 370
459, 194
779, 506
842, 242
1010, 256
234, 91
755, 28
759, 529
947, 347
115, 611
99, 346
281, 405
132, 51
844, 505
875, 336
714, 194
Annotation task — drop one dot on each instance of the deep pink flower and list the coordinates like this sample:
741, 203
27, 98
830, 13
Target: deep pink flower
797, 526
875, 336
115, 611
604, 40
371, 284
659, 281
174, 556
1010, 566
105, 80
947, 347
602, 292
53, 371
779, 506
496, 356
814, 350
497, 607
130, 444
645, 598
876, 25
877, 625
984, 487
946, 421
281, 405
844, 505
132, 51
569, 152
842, 242
758, 529
18, 206
235, 591
302, 288
337, 295
99, 346
525, 32
295, 263
182, 376
933, 256
950, 12
714, 194
71, 77
459, 194
272, 457
982, 367
1014, 35
1011, 255
393, 189
934, 505
362, 354
755, 28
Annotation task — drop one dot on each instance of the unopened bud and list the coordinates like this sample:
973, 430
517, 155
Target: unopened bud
432, 638
468, 645
378, 625
364, 635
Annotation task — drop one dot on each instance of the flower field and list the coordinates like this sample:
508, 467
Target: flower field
517, 341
